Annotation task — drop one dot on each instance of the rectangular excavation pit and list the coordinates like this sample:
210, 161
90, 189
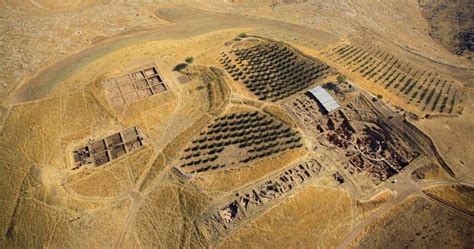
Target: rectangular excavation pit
130, 133
133, 144
137, 76
134, 86
150, 72
117, 151
131, 97
159, 88
101, 158
114, 139
155, 80
98, 147
107, 149
140, 84
144, 93
82, 156
127, 87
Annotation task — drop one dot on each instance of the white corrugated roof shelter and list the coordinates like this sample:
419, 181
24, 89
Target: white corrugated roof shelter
326, 100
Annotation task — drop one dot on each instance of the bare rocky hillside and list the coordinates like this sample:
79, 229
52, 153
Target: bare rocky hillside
452, 24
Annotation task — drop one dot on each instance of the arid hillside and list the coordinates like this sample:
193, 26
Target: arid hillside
396, 21
452, 24
236, 124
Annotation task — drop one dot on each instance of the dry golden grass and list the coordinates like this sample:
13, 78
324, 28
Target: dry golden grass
314, 217
28, 138
54, 226
166, 216
108, 182
46, 216
458, 195
51, 4
417, 223
138, 162
366, 207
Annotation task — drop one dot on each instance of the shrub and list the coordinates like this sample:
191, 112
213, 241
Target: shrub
189, 60
341, 78
242, 35
379, 96
180, 67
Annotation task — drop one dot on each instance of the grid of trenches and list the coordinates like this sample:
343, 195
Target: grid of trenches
238, 138
135, 86
427, 90
104, 150
272, 71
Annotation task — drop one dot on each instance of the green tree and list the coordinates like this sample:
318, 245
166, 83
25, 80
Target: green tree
341, 78
180, 67
243, 35
189, 60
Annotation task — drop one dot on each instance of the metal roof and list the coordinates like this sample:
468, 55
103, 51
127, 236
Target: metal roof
326, 100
